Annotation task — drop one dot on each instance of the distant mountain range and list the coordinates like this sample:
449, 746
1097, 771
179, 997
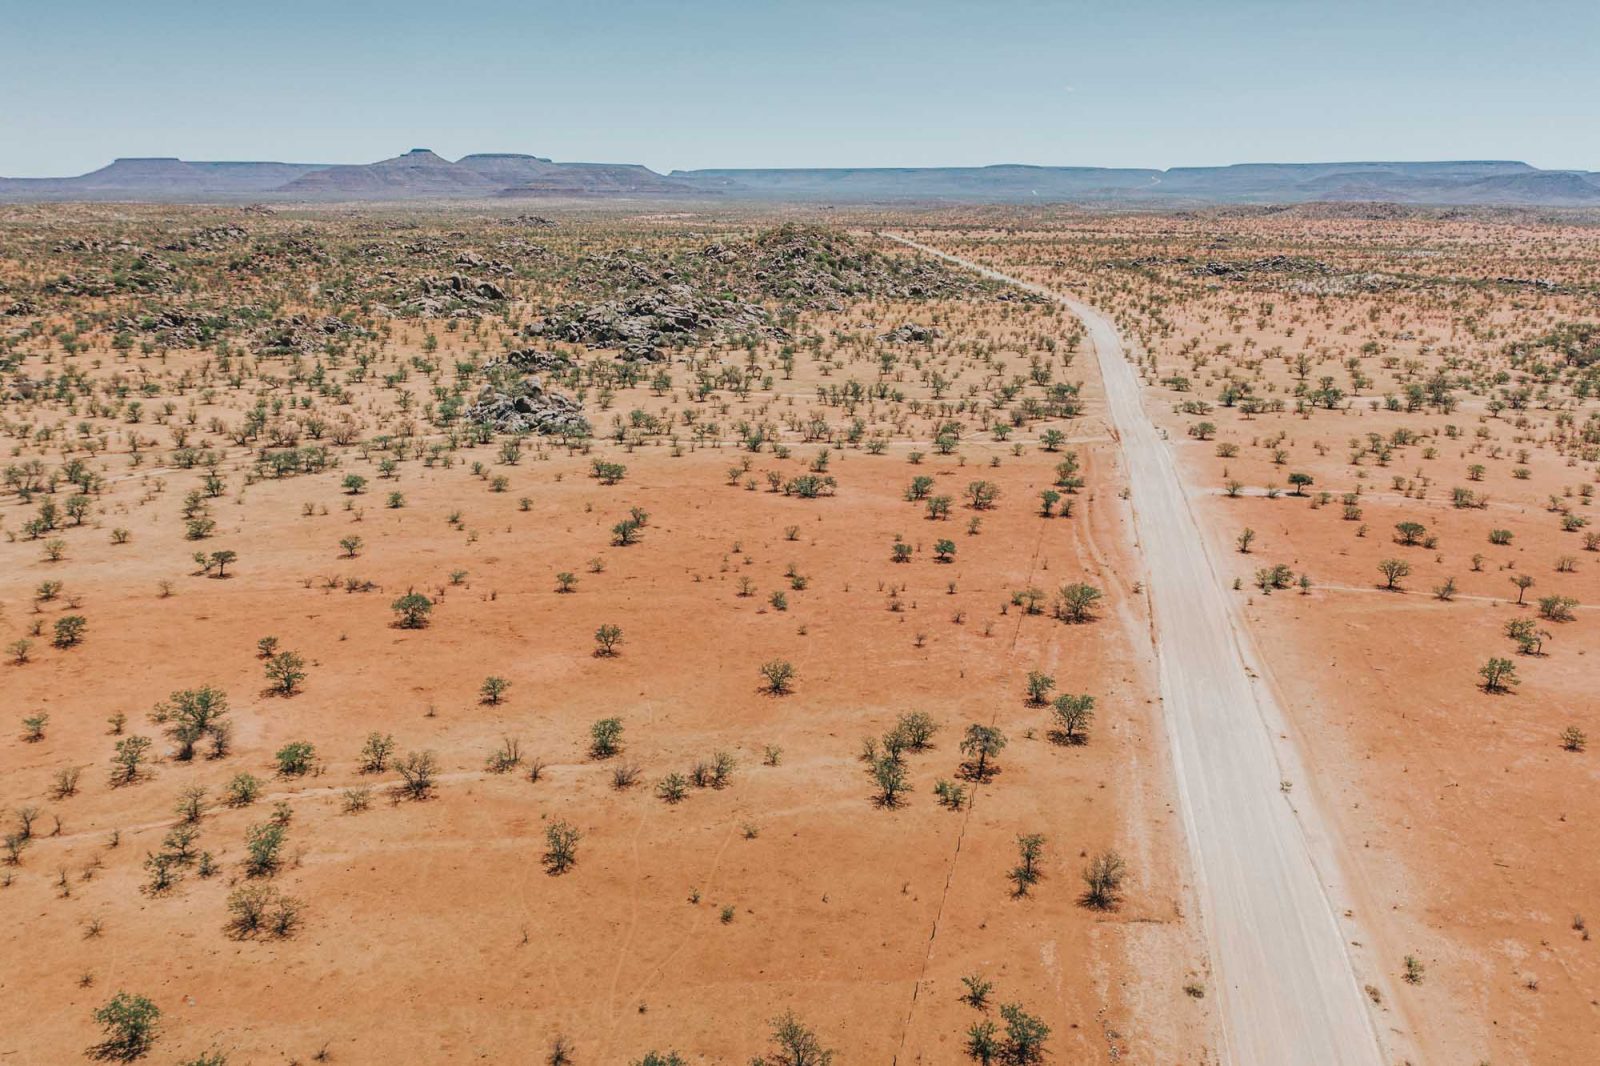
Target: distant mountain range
422, 175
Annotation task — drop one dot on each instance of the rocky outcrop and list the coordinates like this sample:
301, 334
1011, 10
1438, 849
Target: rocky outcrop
512, 404
912, 333
640, 326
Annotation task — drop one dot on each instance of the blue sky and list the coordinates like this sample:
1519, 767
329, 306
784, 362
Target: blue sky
820, 83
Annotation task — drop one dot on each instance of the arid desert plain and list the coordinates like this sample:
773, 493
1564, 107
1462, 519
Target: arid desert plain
705, 635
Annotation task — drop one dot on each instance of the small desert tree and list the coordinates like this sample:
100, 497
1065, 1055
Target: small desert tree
1408, 533
1499, 675
193, 714
980, 744
606, 639
1393, 570
794, 1045
285, 671
1039, 685
1026, 873
915, 729
982, 494
412, 610
889, 774
1073, 713
493, 690
1076, 603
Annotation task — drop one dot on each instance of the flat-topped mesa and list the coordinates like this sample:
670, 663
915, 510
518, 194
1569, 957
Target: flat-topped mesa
422, 174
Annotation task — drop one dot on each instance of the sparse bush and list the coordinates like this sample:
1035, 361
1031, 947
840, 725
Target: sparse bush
418, 773
1026, 873
889, 773
130, 1024
561, 847
66, 782
1025, 1035
950, 794
605, 738
657, 1058
779, 675
1414, 971
263, 844
127, 765
295, 758
69, 630
1102, 880
191, 805
257, 910
375, 754
507, 757
794, 1045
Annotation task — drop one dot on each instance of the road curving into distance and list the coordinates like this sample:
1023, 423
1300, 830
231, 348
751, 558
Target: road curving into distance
1285, 981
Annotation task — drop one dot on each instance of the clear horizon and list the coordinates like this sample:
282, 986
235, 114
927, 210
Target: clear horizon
882, 83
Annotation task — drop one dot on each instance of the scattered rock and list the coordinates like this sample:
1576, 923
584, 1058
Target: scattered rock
912, 333
301, 335
531, 361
